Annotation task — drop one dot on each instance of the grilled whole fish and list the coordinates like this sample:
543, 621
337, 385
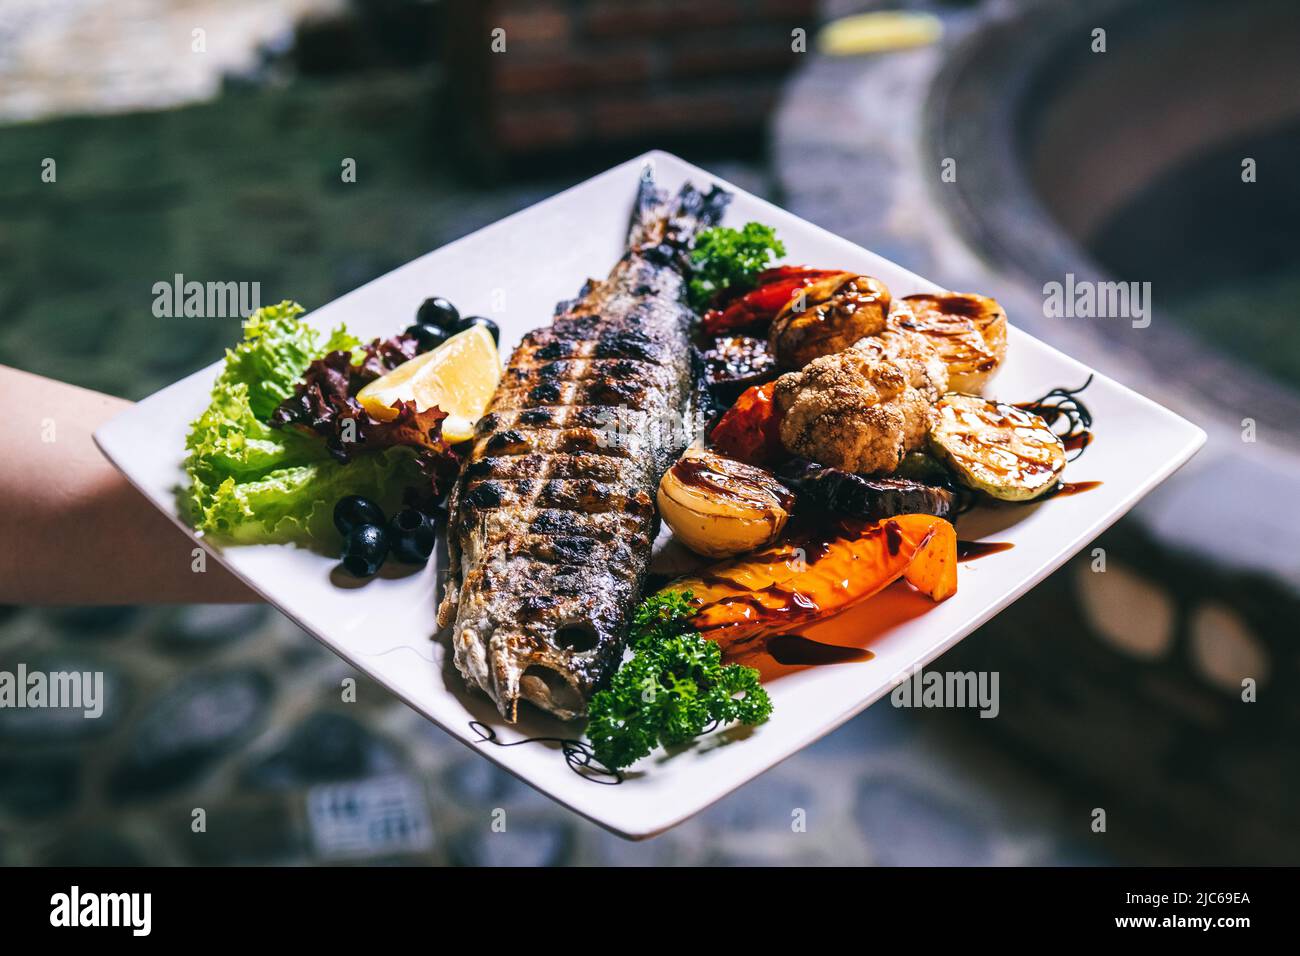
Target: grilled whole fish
553, 515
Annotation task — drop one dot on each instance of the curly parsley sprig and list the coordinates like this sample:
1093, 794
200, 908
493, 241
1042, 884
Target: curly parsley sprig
674, 688
731, 259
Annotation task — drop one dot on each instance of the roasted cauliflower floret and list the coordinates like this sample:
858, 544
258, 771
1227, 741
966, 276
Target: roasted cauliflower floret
918, 358
854, 410
828, 316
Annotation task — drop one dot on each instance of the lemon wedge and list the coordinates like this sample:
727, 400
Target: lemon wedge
459, 376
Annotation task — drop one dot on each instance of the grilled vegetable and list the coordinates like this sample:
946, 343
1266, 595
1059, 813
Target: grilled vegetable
827, 317
759, 306
719, 507
808, 578
1001, 450
860, 497
735, 362
968, 331
750, 431
855, 410
925, 468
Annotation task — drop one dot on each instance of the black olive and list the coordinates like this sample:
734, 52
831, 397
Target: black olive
427, 337
438, 313
470, 321
412, 536
364, 550
352, 511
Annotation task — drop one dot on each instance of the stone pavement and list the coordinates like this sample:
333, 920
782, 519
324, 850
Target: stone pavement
235, 712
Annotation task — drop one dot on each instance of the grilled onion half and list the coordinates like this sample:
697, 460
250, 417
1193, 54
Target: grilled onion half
719, 507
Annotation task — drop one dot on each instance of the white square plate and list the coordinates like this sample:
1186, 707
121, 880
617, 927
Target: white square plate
523, 265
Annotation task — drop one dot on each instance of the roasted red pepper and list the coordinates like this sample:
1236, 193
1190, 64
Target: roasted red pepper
775, 288
750, 431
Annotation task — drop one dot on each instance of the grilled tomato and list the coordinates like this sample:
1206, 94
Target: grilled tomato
751, 428
719, 507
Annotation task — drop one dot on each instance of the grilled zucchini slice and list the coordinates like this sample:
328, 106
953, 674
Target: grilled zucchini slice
1003, 451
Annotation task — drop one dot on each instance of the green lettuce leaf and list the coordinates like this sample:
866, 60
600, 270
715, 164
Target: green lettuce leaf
229, 439
251, 482
277, 348
295, 503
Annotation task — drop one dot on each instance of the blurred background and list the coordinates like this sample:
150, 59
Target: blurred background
204, 137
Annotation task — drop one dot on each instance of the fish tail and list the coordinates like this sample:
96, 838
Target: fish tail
670, 223
649, 210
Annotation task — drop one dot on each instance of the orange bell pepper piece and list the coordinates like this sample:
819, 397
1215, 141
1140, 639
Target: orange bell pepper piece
805, 578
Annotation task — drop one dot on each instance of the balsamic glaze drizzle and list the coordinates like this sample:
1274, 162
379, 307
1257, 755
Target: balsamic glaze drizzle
1063, 403
577, 754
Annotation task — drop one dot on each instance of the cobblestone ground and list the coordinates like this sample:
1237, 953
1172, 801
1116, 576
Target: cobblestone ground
233, 711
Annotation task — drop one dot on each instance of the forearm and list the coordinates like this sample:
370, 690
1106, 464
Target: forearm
74, 531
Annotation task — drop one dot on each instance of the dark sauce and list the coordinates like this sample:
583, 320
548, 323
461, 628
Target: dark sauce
893, 537
1077, 442
815, 550
739, 360
795, 650
816, 535
959, 305
1062, 405
1067, 488
974, 550
791, 602
578, 754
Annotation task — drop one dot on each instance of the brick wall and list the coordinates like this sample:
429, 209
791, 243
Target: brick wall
582, 72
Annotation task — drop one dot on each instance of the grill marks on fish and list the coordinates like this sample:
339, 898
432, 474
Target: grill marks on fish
575, 494
553, 516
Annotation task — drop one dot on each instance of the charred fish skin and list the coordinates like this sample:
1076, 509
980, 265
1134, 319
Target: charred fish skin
553, 515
